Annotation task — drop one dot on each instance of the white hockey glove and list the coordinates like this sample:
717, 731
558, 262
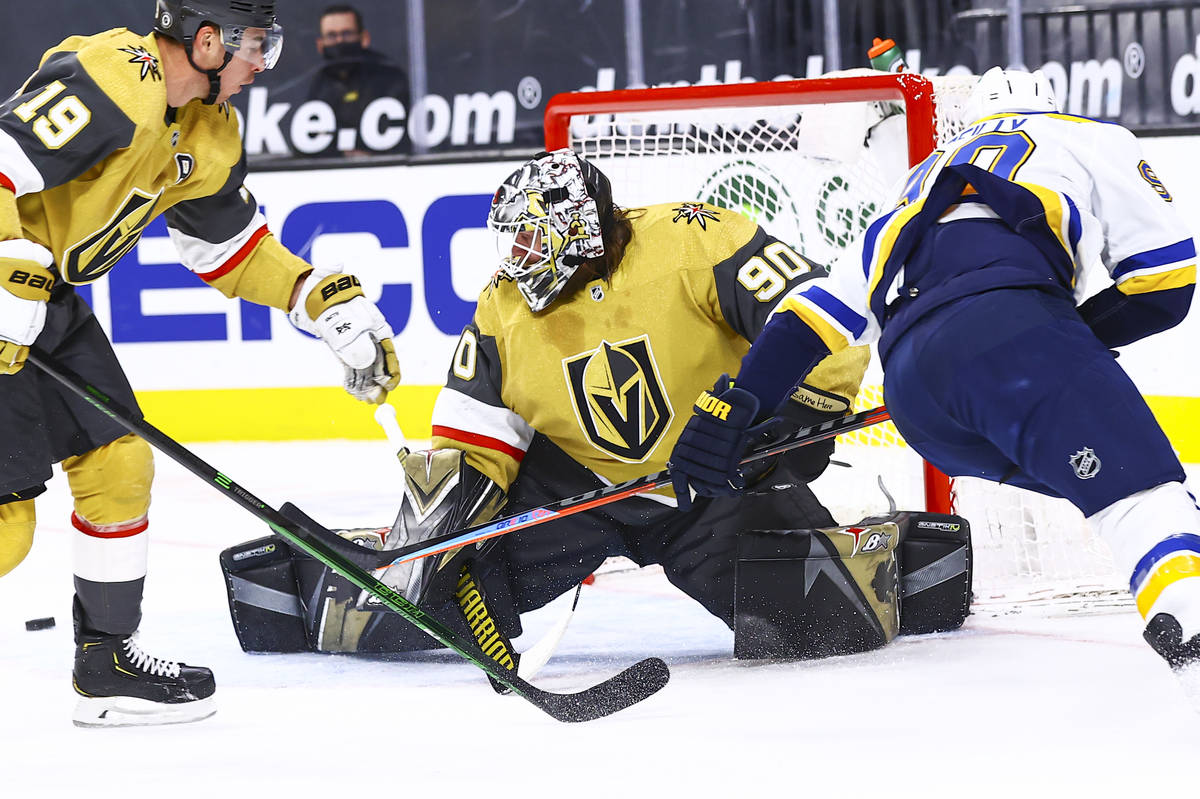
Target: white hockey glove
25, 283
332, 307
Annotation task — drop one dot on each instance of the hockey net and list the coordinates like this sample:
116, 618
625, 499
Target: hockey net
813, 161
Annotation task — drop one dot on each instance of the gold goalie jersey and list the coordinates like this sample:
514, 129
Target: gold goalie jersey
92, 153
609, 372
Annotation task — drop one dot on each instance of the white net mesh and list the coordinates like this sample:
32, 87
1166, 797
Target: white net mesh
814, 174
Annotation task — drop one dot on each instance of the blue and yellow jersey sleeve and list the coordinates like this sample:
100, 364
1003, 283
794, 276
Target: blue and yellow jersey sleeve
1150, 253
836, 306
1149, 246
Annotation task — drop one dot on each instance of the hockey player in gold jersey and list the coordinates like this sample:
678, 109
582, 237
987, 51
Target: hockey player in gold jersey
111, 131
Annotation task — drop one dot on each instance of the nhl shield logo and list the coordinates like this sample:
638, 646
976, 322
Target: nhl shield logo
1085, 463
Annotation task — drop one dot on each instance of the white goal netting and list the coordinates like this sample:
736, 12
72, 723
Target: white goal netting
814, 174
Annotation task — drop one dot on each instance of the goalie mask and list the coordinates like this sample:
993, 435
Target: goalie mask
547, 218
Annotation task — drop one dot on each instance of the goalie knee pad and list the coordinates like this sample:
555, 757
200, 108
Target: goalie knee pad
835, 591
111, 484
815, 593
17, 521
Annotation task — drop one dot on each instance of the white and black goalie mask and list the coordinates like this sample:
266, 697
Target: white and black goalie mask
546, 225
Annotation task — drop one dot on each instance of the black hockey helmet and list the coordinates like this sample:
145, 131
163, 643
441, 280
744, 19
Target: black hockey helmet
182, 19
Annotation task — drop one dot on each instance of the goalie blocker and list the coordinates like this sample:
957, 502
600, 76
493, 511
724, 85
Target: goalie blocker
798, 593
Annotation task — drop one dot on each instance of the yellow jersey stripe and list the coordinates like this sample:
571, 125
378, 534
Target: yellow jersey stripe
1171, 279
886, 242
1057, 216
1171, 570
834, 339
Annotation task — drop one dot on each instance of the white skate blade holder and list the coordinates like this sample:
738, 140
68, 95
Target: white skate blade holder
129, 711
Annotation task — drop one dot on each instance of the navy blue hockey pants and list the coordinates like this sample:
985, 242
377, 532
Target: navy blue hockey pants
1012, 386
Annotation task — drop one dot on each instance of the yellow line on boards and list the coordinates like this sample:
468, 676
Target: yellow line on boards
289, 414
282, 414
1178, 417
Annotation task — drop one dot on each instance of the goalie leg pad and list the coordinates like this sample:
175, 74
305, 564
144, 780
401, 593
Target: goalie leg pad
260, 584
815, 593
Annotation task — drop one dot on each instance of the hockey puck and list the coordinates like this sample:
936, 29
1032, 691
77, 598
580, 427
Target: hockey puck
39, 624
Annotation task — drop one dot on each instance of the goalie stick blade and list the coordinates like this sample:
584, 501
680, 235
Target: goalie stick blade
631, 686
363, 558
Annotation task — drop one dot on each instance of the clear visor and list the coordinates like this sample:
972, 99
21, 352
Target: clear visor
523, 247
259, 46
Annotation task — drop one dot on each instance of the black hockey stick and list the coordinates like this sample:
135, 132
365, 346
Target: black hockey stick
370, 559
616, 693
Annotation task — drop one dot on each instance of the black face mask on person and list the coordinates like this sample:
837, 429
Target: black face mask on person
344, 51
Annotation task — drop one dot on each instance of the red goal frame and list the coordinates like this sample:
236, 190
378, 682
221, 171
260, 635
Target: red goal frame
914, 91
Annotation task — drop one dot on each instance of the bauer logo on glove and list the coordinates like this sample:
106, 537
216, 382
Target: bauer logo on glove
38, 284
25, 284
334, 309
331, 286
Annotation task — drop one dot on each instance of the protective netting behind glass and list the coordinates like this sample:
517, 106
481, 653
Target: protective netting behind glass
814, 174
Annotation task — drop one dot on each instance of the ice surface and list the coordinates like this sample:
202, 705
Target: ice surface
1009, 706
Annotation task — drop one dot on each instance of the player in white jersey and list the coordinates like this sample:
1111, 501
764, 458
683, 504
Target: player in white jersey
109, 132
993, 367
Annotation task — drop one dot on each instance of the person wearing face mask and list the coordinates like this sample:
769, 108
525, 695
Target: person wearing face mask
352, 77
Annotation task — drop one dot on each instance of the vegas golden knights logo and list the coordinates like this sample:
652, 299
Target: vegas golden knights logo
619, 398
99, 252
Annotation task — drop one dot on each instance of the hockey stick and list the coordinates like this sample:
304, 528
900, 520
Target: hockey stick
378, 559
616, 693
537, 655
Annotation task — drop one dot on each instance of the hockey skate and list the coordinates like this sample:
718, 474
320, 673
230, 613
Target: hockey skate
1165, 635
122, 686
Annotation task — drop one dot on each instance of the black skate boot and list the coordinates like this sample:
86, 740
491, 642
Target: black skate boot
1165, 635
123, 686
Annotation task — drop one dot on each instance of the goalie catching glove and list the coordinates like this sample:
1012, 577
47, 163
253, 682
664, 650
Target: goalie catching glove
25, 283
332, 307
